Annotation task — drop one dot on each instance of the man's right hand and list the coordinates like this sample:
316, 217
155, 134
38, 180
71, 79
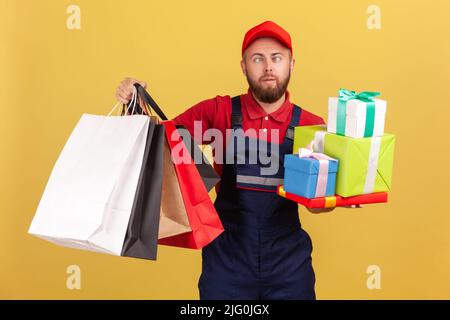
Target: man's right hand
124, 91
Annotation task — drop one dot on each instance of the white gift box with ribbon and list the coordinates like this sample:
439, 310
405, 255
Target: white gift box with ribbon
355, 117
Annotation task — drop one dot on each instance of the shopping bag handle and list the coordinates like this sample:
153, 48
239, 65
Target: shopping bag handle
149, 100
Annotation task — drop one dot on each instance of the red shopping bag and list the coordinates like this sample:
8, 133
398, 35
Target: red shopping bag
202, 215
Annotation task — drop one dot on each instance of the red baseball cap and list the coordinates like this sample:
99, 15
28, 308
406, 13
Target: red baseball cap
267, 29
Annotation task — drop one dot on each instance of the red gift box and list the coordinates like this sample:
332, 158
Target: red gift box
334, 201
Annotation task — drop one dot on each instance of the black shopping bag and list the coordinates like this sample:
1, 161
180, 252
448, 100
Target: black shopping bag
141, 240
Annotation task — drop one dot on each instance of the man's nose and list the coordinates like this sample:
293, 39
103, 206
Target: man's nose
268, 66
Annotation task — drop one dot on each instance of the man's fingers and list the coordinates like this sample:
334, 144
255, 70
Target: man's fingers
122, 100
354, 206
125, 93
122, 97
118, 97
126, 88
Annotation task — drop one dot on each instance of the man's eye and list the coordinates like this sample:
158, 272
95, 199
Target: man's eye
257, 60
277, 59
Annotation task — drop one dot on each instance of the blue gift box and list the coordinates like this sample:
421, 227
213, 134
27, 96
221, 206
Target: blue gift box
300, 176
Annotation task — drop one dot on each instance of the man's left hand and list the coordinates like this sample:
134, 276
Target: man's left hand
324, 210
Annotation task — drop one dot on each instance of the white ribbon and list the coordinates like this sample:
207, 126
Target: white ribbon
372, 166
324, 162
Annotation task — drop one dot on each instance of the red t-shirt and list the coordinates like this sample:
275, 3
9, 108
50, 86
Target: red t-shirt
216, 113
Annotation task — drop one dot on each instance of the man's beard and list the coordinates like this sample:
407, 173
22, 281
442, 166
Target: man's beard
269, 95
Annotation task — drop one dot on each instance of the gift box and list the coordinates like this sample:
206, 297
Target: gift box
365, 164
310, 174
334, 201
356, 115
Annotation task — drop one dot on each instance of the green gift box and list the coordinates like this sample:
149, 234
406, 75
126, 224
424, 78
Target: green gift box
365, 164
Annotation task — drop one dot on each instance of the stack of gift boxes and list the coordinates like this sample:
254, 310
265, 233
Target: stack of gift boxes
351, 157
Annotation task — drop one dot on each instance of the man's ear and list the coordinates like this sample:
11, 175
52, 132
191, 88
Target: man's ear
243, 67
244, 70
292, 64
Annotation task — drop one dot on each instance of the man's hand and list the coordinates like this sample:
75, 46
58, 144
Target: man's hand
320, 210
124, 91
324, 210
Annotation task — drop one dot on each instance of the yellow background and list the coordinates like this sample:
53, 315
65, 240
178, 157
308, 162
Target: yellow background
188, 51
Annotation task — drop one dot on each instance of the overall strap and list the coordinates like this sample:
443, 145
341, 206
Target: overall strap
236, 112
295, 119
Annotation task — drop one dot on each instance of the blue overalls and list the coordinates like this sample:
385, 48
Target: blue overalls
263, 252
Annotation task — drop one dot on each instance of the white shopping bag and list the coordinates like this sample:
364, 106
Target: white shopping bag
89, 196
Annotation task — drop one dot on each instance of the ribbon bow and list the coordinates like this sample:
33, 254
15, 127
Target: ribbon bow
322, 176
365, 96
308, 152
